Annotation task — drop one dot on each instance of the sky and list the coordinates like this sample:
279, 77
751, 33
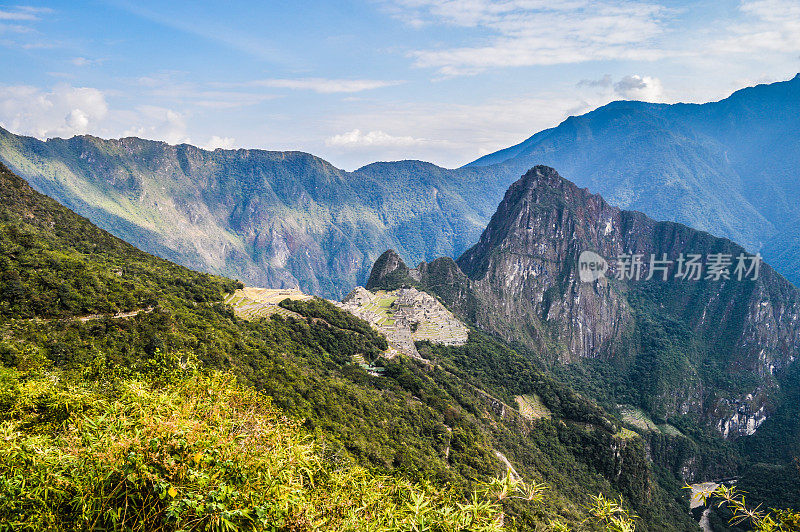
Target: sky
354, 82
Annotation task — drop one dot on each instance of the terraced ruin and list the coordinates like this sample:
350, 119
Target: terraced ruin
531, 407
641, 421
405, 316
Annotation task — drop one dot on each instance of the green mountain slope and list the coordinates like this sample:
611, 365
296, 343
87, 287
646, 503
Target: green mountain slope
277, 219
107, 389
708, 359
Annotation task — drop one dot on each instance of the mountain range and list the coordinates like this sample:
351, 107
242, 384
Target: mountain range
728, 167
288, 219
131, 394
638, 385
684, 351
676, 346
706, 364
277, 219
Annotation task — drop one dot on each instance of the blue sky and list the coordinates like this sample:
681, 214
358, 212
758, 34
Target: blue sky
359, 81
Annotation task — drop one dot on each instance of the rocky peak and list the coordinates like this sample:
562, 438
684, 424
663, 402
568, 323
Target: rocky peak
389, 271
536, 203
521, 282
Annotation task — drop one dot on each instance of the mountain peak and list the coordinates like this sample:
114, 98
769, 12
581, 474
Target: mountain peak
539, 199
544, 179
389, 271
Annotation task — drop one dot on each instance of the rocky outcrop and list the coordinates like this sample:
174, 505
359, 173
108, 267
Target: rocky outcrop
707, 347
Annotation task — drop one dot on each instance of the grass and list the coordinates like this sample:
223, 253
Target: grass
532, 407
638, 418
202, 453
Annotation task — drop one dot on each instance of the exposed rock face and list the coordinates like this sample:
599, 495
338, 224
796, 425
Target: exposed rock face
521, 282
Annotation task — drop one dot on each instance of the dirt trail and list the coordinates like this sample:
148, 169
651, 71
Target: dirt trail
119, 315
90, 317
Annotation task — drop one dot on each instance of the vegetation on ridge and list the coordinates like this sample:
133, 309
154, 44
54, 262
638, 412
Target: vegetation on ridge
124, 419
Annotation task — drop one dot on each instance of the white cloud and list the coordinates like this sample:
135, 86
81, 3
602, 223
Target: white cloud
631, 87
77, 120
643, 88
448, 134
19, 14
84, 61
20, 21
770, 26
169, 85
604, 82
62, 111
226, 143
516, 33
323, 85
154, 122
65, 111
375, 138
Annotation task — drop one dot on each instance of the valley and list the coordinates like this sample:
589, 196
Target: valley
400, 266
408, 347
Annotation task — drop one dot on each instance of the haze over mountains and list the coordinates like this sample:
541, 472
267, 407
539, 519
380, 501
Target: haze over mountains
287, 219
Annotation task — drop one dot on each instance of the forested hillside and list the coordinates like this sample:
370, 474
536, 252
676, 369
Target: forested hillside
288, 219
115, 413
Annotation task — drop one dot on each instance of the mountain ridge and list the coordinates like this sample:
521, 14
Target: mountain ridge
278, 219
520, 282
291, 219
727, 167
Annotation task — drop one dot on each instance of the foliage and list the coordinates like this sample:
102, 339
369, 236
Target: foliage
490, 363
612, 515
325, 310
56, 264
753, 518
202, 453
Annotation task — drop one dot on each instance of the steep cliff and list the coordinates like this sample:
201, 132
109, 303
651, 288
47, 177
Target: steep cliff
707, 347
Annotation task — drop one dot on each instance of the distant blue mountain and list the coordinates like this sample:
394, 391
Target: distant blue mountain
730, 167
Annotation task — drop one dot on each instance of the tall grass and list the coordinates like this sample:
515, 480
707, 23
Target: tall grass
203, 453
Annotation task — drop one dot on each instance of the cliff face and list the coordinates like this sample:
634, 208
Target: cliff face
705, 347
